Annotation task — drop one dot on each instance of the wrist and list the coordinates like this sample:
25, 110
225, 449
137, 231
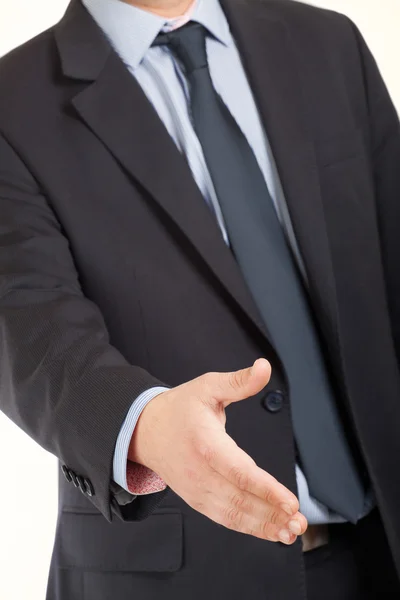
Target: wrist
140, 441
134, 452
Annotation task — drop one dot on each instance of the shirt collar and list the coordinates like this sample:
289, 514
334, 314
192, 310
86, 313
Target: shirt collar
209, 13
132, 30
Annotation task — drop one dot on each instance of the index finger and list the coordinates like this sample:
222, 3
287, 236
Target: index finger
239, 468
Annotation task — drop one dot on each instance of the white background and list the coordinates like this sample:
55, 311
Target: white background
28, 488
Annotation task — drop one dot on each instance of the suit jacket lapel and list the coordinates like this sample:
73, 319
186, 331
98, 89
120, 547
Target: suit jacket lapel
270, 61
115, 107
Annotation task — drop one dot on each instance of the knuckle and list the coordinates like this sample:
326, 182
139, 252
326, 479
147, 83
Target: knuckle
235, 379
232, 517
209, 455
274, 517
207, 382
267, 531
238, 502
269, 496
239, 478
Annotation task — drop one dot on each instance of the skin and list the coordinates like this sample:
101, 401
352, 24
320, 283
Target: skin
164, 8
181, 435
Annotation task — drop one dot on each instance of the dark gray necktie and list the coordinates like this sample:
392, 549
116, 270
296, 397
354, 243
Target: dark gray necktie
265, 259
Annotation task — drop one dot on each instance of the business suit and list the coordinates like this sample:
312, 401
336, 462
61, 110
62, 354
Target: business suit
106, 167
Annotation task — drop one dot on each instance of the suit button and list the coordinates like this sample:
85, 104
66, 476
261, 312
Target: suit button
89, 490
67, 473
274, 401
81, 483
75, 479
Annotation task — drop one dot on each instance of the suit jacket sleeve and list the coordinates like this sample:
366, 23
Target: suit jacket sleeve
60, 379
384, 131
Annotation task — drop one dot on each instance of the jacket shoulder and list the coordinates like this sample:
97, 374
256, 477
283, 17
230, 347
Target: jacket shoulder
301, 12
308, 22
26, 56
24, 70
315, 30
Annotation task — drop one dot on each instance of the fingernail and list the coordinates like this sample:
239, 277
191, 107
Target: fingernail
284, 536
287, 508
294, 527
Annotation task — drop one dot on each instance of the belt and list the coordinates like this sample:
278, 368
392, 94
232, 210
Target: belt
315, 537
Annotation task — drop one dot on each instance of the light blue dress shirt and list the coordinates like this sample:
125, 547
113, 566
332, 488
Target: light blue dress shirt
131, 32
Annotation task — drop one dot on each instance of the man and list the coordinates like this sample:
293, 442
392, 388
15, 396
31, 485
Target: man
189, 189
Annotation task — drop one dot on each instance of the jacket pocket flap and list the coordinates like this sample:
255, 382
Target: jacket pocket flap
89, 542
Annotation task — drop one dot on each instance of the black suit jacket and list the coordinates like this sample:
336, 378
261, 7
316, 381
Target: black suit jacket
115, 278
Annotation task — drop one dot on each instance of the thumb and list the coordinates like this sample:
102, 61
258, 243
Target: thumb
243, 384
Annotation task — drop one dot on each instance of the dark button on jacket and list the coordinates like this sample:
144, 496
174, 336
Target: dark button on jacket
274, 401
82, 483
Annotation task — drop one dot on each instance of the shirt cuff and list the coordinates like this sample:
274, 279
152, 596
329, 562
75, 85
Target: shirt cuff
120, 461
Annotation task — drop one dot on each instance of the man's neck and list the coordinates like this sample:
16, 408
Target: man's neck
165, 8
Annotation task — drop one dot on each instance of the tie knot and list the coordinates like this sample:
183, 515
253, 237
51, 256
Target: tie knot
188, 43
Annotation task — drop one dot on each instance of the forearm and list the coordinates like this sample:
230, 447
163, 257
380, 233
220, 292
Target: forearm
63, 384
